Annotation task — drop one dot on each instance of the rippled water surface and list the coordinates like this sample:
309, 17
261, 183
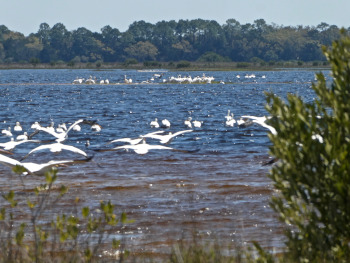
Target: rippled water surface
219, 188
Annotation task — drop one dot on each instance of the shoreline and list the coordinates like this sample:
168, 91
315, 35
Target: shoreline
166, 66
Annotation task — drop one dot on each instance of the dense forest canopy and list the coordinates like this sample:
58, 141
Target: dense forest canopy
191, 40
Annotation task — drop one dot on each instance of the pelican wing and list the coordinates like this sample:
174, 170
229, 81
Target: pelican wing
10, 162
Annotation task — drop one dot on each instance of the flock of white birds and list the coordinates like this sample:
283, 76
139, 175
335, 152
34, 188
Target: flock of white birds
59, 135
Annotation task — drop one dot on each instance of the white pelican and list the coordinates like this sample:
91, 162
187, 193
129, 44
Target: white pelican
141, 148
154, 124
7, 132
77, 128
167, 137
102, 81
96, 127
35, 125
78, 80
90, 80
55, 148
197, 124
38, 169
22, 137
106, 81
60, 137
262, 121
61, 128
230, 122
166, 123
243, 123
136, 140
228, 116
127, 81
10, 145
17, 127
188, 123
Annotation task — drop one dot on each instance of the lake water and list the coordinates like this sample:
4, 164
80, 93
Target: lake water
219, 188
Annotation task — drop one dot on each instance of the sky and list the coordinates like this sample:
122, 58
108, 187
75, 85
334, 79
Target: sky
25, 16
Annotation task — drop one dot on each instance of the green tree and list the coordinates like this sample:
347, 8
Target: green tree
312, 176
142, 51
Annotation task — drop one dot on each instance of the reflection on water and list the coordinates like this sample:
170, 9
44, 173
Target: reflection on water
220, 189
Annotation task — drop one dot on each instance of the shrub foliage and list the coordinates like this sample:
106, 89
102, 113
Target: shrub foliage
312, 176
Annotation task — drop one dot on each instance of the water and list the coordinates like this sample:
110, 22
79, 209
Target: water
220, 189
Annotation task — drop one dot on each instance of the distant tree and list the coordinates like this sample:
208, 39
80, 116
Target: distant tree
312, 176
142, 51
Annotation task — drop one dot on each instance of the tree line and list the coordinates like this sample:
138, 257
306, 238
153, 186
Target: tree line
166, 41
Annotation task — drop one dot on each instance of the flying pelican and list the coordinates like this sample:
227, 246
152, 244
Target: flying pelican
262, 121
10, 145
243, 123
136, 140
38, 169
188, 123
55, 148
60, 137
141, 148
166, 123
166, 138
154, 124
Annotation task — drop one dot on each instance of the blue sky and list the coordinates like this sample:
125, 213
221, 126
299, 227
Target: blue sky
25, 16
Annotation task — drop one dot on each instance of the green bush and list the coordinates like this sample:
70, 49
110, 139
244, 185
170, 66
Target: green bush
312, 177
183, 64
29, 234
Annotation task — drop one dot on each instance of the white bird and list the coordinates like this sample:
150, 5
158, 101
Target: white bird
38, 169
17, 127
96, 127
262, 121
228, 116
10, 145
188, 123
90, 80
78, 80
102, 81
106, 81
141, 148
60, 137
230, 122
166, 123
154, 124
135, 140
77, 128
7, 132
55, 148
22, 137
51, 127
197, 124
61, 128
243, 123
127, 81
35, 125
167, 137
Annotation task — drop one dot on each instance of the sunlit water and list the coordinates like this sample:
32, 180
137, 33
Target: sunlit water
219, 188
